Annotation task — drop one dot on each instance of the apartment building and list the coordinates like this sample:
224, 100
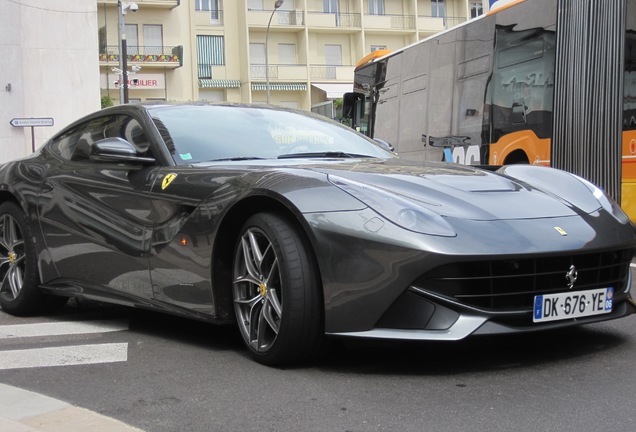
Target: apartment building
303, 51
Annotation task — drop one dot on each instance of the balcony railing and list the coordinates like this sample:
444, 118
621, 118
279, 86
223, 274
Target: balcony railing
257, 71
169, 4
325, 19
143, 54
453, 21
216, 17
290, 72
331, 72
393, 22
258, 17
290, 17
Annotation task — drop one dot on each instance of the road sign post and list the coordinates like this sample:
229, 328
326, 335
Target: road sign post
32, 122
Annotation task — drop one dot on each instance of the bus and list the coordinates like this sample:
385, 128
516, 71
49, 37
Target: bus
547, 82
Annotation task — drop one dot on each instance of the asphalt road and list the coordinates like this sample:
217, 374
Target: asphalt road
183, 375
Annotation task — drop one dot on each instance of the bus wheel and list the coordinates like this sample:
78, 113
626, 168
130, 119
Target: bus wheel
517, 157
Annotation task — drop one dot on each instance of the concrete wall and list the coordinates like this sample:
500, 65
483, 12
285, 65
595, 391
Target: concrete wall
49, 67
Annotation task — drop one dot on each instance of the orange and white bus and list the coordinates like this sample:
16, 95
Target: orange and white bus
548, 82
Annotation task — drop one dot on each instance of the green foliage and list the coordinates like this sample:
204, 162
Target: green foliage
106, 101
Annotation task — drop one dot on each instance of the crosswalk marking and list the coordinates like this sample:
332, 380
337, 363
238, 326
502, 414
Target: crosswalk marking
64, 356
61, 328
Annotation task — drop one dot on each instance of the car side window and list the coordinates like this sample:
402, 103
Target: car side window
76, 144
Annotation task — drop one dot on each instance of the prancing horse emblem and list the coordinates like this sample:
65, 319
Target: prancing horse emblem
571, 276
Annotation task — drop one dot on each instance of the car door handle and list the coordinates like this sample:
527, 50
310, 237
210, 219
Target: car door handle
47, 186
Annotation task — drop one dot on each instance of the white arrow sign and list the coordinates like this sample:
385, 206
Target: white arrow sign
31, 122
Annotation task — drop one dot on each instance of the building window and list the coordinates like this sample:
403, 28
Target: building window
132, 39
287, 54
153, 39
206, 5
376, 7
437, 8
330, 6
333, 55
210, 52
257, 60
476, 9
255, 5
257, 53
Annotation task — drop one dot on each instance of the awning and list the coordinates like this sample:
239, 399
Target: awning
334, 90
280, 86
214, 83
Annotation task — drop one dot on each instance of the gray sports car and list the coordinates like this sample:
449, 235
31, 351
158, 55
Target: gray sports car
295, 227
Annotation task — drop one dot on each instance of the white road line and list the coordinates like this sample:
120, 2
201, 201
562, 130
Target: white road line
61, 328
64, 356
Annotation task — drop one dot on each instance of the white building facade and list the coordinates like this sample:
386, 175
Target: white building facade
49, 69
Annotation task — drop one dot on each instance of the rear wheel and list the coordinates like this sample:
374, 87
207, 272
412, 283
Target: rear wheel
276, 292
19, 279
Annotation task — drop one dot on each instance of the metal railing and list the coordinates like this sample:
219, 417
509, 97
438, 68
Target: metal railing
322, 72
343, 19
216, 17
449, 21
290, 17
137, 53
257, 71
399, 22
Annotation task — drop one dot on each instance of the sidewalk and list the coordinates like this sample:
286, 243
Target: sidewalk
26, 411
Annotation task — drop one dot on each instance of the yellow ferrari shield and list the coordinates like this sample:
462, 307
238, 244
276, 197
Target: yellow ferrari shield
167, 180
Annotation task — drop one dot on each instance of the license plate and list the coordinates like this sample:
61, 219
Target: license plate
553, 307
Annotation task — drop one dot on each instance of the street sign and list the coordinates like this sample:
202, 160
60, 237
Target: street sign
31, 122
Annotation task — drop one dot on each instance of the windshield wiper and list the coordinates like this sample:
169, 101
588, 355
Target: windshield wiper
321, 155
238, 158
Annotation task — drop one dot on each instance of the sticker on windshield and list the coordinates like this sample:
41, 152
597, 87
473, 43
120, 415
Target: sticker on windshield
167, 180
291, 135
185, 156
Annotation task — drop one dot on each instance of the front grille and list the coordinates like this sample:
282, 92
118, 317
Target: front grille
511, 284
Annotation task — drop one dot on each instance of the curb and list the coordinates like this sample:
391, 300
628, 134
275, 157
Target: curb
26, 411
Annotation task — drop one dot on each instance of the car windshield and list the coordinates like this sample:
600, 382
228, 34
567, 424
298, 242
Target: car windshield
204, 133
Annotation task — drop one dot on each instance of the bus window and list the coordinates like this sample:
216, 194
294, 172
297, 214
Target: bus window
522, 85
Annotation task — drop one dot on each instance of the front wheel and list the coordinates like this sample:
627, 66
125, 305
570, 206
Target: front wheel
19, 279
276, 292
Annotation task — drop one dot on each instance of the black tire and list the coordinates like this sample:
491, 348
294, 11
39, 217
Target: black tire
276, 292
19, 279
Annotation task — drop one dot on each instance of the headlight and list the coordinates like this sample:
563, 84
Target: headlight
606, 201
400, 211
566, 187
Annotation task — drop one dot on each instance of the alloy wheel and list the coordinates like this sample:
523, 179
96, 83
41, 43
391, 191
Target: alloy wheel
257, 290
12, 257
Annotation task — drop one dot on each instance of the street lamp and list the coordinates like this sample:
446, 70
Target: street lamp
278, 4
123, 48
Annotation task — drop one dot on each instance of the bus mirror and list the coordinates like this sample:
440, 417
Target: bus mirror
352, 103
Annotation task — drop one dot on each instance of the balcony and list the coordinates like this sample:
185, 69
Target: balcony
146, 56
450, 21
165, 4
334, 20
398, 23
328, 73
279, 72
209, 18
260, 18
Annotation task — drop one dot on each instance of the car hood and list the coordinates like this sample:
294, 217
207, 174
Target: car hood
457, 191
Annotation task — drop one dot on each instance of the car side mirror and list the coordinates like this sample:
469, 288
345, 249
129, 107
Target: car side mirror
385, 144
116, 150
